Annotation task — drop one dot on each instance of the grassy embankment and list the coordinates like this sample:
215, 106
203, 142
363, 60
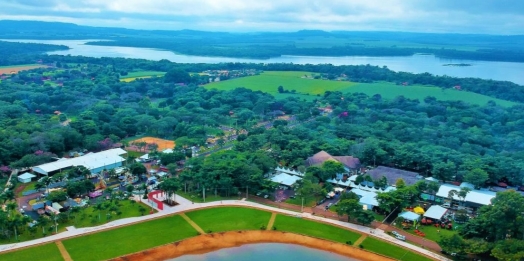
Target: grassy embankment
308, 88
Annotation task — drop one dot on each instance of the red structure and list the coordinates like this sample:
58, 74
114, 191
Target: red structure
151, 196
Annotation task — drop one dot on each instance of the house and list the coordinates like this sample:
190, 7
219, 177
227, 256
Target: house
393, 175
26, 177
350, 163
94, 162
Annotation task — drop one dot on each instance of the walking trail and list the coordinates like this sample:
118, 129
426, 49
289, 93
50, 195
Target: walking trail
360, 240
271, 221
186, 205
63, 251
192, 223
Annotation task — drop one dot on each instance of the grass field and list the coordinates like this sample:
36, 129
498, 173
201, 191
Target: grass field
310, 88
381, 247
16, 68
314, 229
130, 239
430, 231
140, 75
229, 218
48, 252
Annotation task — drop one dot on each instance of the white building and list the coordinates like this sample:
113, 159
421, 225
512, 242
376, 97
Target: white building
26, 177
94, 162
475, 198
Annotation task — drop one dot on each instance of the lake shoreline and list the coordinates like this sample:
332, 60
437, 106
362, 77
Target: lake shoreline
212, 242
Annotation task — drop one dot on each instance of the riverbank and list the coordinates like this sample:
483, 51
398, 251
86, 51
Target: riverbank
212, 242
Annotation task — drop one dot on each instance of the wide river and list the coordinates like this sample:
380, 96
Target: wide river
504, 71
265, 252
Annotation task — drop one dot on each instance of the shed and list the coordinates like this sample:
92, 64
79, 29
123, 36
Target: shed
26, 177
285, 179
435, 212
408, 215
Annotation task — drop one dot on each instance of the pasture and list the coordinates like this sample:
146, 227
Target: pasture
12, 69
162, 144
309, 88
131, 76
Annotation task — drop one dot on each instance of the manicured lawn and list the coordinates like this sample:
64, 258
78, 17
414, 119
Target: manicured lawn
47, 252
197, 197
230, 218
314, 229
431, 231
130, 239
308, 202
381, 247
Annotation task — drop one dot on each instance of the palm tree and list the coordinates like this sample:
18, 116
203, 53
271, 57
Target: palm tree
170, 187
463, 193
99, 207
42, 222
451, 194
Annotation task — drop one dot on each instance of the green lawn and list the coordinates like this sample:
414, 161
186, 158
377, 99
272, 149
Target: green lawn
430, 231
384, 248
197, 197
309, 88
314, 229
229, 218
131, 76
130, 239
48, 252
269, 82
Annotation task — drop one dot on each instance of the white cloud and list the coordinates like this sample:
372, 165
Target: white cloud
466, 16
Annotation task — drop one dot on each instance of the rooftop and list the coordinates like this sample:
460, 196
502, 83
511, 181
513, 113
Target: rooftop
393, 174
90, 161
322, 156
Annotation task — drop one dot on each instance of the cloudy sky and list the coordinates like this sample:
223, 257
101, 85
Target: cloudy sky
454, 16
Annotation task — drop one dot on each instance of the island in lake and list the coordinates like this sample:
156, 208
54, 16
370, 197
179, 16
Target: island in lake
457, 64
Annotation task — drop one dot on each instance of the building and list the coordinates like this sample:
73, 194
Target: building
393, 175
94, 162
350, 163
475, 198
285, 176
26, 177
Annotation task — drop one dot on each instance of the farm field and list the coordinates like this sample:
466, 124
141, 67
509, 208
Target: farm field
229, 218
309, 88
47, 252
162, 144
117, 242
140, 75
17, 68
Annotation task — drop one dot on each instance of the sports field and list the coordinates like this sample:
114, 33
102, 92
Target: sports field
162, 144
310, 88
17, 68
140, 75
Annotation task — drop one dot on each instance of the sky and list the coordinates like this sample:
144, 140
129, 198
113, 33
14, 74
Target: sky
447, 16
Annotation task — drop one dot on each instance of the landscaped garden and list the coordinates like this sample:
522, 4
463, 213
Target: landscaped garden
430, 232
396, 252
48, 252
229, 218
314, 229
129, 239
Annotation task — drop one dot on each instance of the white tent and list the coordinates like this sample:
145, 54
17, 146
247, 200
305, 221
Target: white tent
408, 215
435, 212
432, 179
26, 177
285, 179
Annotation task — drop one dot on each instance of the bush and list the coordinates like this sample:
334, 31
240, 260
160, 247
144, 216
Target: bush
349, 242
361, 246
209, 231
263, 227
274, 228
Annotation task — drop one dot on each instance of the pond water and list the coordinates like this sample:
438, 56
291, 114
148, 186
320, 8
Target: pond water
504, 71
265, 252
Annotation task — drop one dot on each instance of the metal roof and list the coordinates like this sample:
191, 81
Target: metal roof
90, 161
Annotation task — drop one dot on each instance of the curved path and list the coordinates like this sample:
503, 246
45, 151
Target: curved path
186, 205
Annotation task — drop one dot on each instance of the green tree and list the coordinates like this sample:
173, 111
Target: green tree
331, 168
170, 187
509, 250
444, 171
477, 177
57, 196
137, 169
177, 76
452, 244
400, 183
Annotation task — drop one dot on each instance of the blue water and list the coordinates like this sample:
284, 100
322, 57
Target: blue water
504, 71
265, 252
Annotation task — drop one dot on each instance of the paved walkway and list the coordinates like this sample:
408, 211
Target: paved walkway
193, 224
271, 221
186, 205
63, 251
360, 240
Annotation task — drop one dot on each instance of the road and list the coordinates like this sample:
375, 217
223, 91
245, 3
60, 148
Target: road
186, 205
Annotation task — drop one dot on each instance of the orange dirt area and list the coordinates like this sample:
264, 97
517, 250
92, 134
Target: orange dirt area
162, 144
211, 242
16, 69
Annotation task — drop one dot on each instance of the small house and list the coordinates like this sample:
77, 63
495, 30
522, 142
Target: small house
26, 177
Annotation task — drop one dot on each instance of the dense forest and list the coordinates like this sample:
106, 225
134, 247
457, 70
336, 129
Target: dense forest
23, 53
90, 106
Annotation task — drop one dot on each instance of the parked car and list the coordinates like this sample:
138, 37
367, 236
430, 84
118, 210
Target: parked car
400, 237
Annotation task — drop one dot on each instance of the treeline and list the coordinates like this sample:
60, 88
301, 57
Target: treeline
12, 53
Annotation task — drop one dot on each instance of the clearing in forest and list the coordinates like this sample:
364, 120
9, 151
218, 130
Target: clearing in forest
140, 75
162, 144
12, 69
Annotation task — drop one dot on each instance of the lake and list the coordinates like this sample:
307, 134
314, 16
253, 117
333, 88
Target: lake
504, 71
265, 252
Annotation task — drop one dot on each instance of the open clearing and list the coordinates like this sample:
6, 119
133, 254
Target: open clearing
17, 68
162, 144
229, 218
140, 75
309, 88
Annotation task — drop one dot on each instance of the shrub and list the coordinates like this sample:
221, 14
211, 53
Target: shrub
361, 246
274, 228
263, 227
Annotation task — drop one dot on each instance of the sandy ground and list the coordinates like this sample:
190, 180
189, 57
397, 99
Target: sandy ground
162, 144
212, 242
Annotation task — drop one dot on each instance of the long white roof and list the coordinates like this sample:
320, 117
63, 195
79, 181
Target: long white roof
474, 196
285, 179
90, 161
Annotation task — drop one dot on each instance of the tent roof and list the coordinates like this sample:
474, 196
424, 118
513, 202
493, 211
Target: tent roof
431, 179
435, 212
90, 161
481, 197
409, 215
366, 197
26, 176
145, 156
167, 151
285, 179
418, 210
